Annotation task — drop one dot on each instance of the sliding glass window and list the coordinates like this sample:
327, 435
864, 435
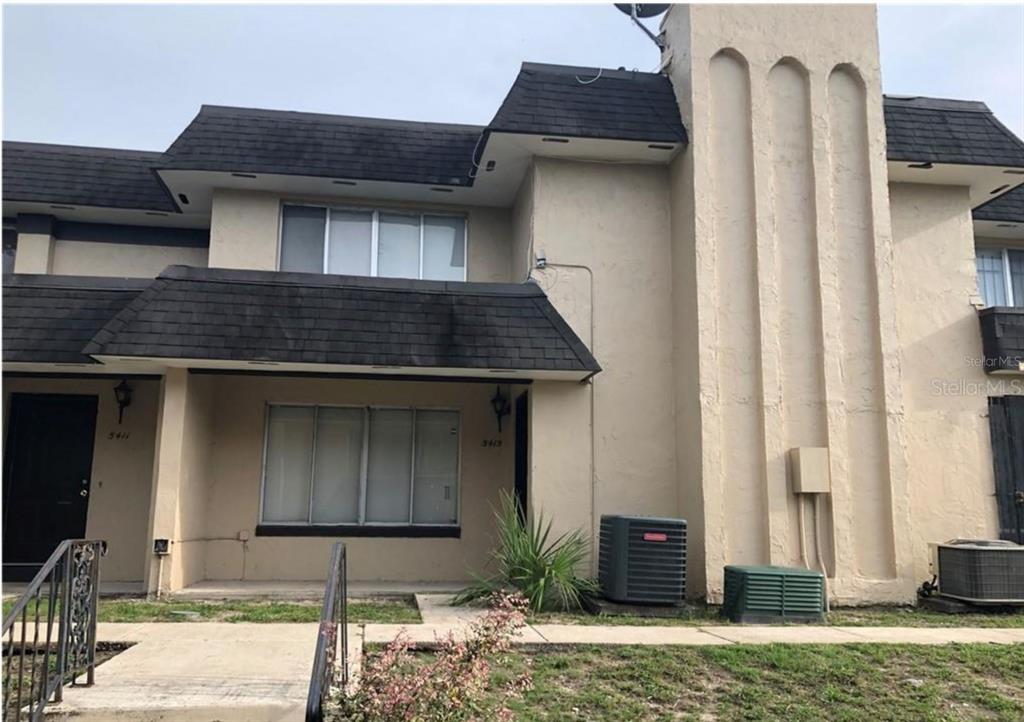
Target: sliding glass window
373, 243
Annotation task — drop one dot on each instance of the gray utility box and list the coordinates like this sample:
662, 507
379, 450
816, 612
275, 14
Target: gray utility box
643, 559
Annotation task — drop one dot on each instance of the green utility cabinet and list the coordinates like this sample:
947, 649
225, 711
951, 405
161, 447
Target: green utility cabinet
769, 595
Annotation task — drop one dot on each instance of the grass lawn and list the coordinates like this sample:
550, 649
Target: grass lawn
896, 683
132, 610
694, 615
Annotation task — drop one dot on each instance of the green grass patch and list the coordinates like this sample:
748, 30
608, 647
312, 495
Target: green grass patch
372, 611
796, 683
699, 615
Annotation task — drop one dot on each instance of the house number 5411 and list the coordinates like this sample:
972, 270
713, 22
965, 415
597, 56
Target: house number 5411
491, 443
119, 435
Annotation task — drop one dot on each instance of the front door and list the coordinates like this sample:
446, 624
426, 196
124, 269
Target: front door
47, 468
522, 459
1006, 420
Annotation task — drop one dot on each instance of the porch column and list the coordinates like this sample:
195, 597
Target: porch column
35, 244
177, 510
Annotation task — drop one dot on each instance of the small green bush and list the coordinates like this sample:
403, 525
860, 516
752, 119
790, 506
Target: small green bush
543, 571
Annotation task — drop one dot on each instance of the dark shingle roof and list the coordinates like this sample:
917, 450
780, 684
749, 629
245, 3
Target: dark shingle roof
936, 130
591, 103
1007, 207
74, 175
247, 140
49, 319
194, 313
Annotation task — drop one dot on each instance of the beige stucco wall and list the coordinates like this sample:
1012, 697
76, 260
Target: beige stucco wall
245, 230
224, 481
783, 206
946, 390
121, 467
34, 254
86, 258
605, 232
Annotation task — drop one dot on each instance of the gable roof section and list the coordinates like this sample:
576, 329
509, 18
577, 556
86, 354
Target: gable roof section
590, 103
79, 176
49, 319
1007, 207
248, 140
219, 314
935, 130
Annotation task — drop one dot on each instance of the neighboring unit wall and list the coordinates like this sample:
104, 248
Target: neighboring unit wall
605, 232
781, 206
122, 466
245, 228
86, 258
945, 387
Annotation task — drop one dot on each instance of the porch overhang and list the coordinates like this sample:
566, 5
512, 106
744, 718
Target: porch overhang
234, 321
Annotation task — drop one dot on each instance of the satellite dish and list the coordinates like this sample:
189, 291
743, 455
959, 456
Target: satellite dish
641, 10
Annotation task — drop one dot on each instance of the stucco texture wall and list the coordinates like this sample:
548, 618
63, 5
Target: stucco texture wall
86, 258
781, 219
227, 484
605, 232
122, 467
245, 229
946, 390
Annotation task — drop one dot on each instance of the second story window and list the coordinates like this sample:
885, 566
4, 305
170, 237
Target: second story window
1000, 276
373, 243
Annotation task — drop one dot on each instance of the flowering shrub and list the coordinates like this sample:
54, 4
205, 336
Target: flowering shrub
453, 686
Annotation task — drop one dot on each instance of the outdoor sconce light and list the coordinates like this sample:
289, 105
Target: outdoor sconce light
123, 394
501, 405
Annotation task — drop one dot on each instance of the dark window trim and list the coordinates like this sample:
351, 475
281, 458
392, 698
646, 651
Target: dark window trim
365, 530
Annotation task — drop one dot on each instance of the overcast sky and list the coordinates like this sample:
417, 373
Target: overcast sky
134, 76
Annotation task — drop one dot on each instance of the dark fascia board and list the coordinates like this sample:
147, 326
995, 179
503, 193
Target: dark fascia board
35, 223
89, 283
319, 280
133, 235
343, 376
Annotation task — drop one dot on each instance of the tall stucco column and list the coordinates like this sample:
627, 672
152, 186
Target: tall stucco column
168, 473
35, 244
783, 294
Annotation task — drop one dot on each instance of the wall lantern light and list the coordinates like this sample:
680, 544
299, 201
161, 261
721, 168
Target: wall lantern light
501, 405
123, 394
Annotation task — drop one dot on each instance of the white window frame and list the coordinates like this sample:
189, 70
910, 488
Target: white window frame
1007, 280
374, 232
363, 467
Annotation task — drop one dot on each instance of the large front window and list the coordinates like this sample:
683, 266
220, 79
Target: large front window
358, 465
1000, 276
359, 242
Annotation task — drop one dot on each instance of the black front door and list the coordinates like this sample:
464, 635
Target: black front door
1006, 420
47, 467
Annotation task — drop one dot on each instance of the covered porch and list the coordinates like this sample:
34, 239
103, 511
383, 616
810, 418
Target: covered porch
271, 414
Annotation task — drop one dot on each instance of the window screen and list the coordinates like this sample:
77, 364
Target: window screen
302, 239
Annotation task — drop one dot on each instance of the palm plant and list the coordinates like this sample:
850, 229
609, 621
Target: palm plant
528, 561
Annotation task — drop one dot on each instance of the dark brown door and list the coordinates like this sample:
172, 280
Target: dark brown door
47, 468
1006, 420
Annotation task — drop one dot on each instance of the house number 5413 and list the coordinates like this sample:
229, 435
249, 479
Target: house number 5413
491, 443
119, 435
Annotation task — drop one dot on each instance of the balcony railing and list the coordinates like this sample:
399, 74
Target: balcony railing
1002, 338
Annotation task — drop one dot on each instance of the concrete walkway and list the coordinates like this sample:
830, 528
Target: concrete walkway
260, 672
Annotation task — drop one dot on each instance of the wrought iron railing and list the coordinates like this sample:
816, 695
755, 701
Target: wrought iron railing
330, 663
50, 632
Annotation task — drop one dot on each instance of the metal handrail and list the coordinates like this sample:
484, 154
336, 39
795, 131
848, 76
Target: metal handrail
327, 672
69, 581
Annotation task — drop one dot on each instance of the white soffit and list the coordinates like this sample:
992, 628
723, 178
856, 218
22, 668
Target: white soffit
999, 229
985, 182
510, 154
98, 214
